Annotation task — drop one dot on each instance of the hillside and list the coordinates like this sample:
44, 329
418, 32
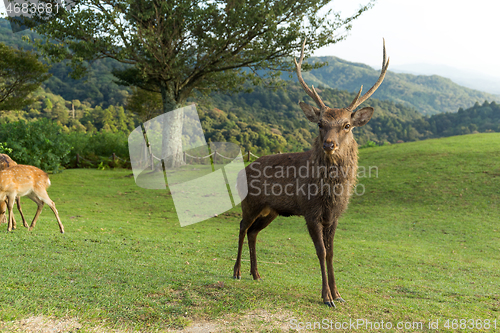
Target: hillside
280, 111
390, 123
427, 94
267, 120
96, 89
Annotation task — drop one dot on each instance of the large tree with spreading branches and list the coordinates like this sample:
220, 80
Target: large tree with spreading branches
179, 47
20, 74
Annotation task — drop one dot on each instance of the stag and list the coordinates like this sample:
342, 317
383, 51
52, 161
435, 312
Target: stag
316, 184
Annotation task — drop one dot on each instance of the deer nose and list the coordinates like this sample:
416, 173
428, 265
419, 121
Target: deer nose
329, 146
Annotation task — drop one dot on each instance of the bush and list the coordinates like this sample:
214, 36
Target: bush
98, 147
368, 144
40, 143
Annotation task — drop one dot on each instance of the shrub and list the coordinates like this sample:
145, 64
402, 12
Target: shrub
40, 143
368, 144
98, 147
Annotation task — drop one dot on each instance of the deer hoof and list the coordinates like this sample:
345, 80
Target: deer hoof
340, 300
237, 277
330, 304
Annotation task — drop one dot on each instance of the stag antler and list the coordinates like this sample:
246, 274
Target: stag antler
357, 101
312, 93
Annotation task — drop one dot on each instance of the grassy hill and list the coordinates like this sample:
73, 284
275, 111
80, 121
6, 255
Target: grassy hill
428, 94
420, 244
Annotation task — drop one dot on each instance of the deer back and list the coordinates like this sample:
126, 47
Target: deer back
23, 179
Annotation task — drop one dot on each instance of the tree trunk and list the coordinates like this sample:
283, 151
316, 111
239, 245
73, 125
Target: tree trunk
172, 153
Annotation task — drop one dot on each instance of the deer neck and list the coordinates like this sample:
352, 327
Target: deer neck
346, 159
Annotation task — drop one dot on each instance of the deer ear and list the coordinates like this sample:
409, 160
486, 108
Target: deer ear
361, 117
311, 112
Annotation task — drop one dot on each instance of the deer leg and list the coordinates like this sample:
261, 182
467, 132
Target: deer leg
56, 213
10, 205
259, 224
14, 223
328, 235
237, 265
245, 224
42, 197
3, 216
39, 208
18, 202
316, 231
3, 208
3, 211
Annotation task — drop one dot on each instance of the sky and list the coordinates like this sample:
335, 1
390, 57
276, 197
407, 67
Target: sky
460, 34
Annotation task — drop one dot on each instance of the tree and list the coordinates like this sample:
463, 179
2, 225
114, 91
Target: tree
20, 74
145, 104
179, 47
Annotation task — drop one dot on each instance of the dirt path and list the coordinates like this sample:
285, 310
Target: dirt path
254, 321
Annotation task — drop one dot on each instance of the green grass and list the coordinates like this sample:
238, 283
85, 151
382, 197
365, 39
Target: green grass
421, 244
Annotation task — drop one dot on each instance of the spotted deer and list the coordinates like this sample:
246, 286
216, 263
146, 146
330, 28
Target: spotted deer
25, 180
7, 162
316, 184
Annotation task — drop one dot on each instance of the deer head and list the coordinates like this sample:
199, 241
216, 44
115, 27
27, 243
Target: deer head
335, 125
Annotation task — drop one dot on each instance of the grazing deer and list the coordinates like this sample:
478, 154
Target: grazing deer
7, 162
25, 180
316, 184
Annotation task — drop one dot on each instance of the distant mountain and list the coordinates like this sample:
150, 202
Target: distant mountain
469, 79
428, 94
280, 110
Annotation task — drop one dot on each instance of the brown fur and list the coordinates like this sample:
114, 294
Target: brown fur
26, 180
334, 173
7, 162
330, 173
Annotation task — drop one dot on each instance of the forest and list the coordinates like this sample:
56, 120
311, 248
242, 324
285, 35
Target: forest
263, 121
94, 115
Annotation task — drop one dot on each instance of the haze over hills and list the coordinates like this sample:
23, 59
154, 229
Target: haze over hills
428, 94
469, 79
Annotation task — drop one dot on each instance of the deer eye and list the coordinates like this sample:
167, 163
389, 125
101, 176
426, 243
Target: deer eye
347, 126
320, 125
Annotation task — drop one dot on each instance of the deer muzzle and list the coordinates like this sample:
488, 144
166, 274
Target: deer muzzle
330, 147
